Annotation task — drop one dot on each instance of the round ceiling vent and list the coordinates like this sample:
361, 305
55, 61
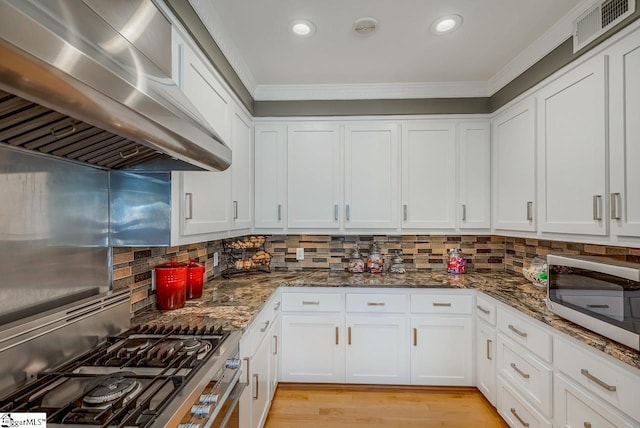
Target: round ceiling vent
365, 26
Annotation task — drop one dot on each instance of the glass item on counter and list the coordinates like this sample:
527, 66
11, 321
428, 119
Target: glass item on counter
356, 263
375, 262
397, 265
537, 272
456, 263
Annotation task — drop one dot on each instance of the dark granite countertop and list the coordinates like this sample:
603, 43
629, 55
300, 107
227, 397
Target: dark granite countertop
233, 303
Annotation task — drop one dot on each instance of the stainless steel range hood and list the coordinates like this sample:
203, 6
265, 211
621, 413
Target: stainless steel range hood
104, 65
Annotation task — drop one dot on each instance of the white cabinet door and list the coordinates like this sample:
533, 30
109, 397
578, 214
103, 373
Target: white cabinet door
270, 176
259, 385
475, 175
204, 201
314, 176
241, 171
486, 360
428, 175
514, 175
441, 352
624, 126
573, 151
371, 175
274, 358
312, 348
377, 349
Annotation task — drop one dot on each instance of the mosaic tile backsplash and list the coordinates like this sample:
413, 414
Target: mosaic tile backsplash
133, 266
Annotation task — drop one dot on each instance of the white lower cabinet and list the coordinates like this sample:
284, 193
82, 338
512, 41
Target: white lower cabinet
516, 410
259, 384
486, 360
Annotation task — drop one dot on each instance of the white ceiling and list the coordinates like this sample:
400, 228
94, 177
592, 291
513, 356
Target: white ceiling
497, 41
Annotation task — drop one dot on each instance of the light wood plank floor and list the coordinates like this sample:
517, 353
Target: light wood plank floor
347, 406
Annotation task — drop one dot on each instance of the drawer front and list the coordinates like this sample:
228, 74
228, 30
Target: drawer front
527, 373
516, 411
441, 304
598, 376
486, 309
260, 328
575, 407
384, 303
525, 333
311, 302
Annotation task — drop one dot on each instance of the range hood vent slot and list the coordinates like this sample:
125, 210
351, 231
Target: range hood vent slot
600, 19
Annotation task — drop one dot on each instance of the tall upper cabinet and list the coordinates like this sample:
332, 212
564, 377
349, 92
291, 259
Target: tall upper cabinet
270, 193
514, 161
624, 132
474, 207
241, 171
572, 149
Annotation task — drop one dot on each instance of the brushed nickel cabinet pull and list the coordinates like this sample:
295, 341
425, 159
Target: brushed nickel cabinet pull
483, 310
189, 203
446, 305
520, 372
464, 212
248, 360
516, 331
375, 303
279, 212
524, 424
275, 345
489, 343
277, 306
585, 373
530, 211
405, 214
348, 212
235, 210
598, 306
348, 335
266, 326
257, 379
337, 335
415, 337
597, 207
335, 212
615, 205
310, 302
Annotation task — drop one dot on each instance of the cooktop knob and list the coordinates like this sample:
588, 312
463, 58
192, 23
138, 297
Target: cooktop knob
209, 398
201, 410
232, 363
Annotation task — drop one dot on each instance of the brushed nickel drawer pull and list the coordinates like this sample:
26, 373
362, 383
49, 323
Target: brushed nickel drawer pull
310, 302
348, 335
587, 425
415, 337
248, 360
277, 306
275, 345
585, 373
516, 331
615, 204
520, 372
489, 343
483, 310
524, 424
375, 303
337, 335
598, 306
257, 379
447, 305
266, 326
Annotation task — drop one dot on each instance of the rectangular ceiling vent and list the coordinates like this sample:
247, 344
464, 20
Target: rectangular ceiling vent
599, 19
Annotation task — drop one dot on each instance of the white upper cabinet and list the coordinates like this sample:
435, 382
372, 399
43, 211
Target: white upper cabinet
475, 175
573, 151
429, 175
270, 176
624, 143
371, 175
241, 171
514, 175
314, 176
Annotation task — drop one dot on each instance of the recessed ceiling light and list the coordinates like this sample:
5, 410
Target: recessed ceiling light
446, 24
302, 28
365, 26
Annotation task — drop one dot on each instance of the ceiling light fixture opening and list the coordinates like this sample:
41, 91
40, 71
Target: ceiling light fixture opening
446, 24
302, 28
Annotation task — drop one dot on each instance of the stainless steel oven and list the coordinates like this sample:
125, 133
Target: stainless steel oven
598, 293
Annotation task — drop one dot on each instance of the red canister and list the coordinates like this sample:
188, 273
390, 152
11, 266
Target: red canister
171, 285
195, 278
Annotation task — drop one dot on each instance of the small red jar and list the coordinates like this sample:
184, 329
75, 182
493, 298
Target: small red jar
171, 285
195, 279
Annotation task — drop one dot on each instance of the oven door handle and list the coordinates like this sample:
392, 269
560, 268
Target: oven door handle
235, 394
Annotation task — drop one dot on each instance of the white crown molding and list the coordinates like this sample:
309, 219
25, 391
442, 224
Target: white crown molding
215, 26
542, 46
371, 91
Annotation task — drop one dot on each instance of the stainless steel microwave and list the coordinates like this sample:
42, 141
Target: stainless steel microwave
598, 293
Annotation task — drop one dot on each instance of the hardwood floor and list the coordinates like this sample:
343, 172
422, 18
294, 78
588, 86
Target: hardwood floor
347, 406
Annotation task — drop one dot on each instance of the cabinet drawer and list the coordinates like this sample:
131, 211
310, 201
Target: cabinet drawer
575, 407
600, 377
441, 303
527, 373
311, 302
525, 333
260, 328
516, 411
385, 303
486, 309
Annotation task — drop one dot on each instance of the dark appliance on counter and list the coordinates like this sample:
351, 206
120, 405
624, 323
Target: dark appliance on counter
148, 376
598, 293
